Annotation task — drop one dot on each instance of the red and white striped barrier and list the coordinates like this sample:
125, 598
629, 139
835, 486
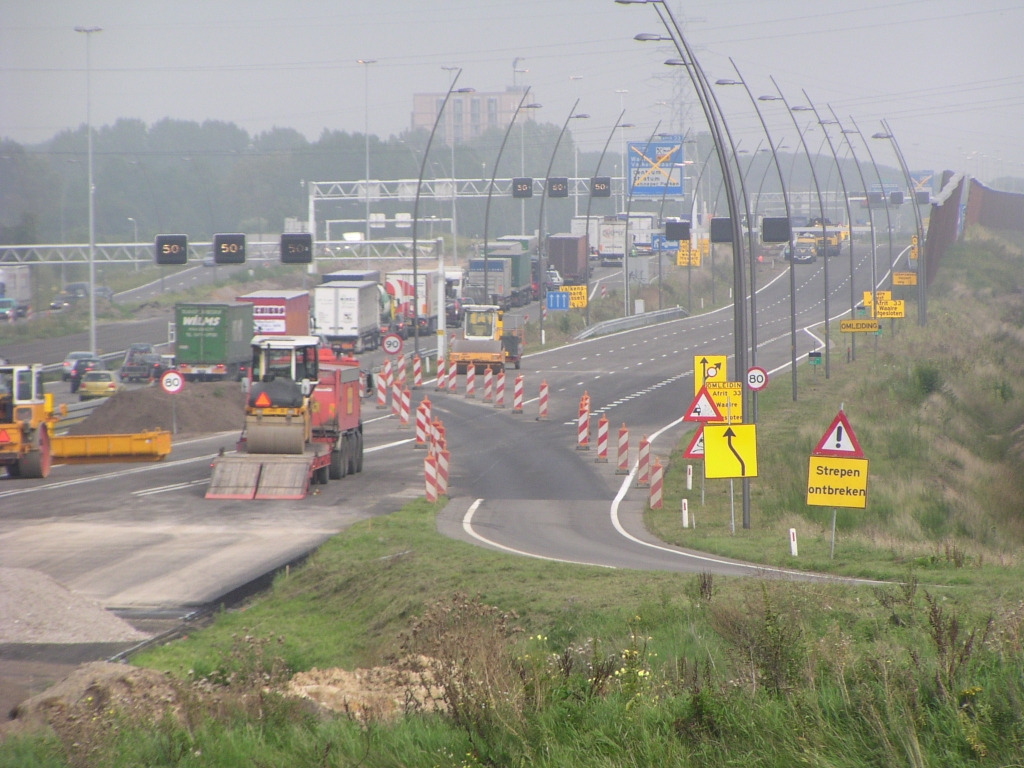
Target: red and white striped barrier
470, 381
441, 439
435, 433
422, 420
442, 376
622, 468
430, 476
499, 389
396, 398
388, 373
602, 440
488, 385
643, 475
453, 378
442, 471
517, 394
428, 407
542, 402
403, 415
382, 391
656, 479
417, 372
583, 426
400, 370
604, 292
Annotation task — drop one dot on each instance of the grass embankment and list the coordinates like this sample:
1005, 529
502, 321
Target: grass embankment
937, 411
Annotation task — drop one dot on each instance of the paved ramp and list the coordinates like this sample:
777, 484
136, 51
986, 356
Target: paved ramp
259, 477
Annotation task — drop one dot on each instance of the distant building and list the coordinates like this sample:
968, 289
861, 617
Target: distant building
468, 114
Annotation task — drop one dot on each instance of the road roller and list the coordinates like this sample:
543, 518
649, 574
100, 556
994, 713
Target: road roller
303, 424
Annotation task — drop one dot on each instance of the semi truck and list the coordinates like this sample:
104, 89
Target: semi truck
568, 255
348, 315
509, 281
212, 340
399, 286
280, 313
303, 424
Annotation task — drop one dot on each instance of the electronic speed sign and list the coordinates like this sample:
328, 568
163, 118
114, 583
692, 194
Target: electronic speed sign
757, 378
522, 188
229, 249
558, 186
601, 186
171, 249
296, 248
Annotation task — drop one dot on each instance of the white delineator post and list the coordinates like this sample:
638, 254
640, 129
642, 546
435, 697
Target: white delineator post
689, 477
517, 394
792, 542
686, 514
622, 467
643, 475
499, 389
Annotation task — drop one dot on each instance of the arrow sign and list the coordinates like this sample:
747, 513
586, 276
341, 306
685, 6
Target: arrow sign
695, 450
729, 435
839, 440
703, 408
730, 450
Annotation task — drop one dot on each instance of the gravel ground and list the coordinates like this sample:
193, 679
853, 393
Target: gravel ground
36, 609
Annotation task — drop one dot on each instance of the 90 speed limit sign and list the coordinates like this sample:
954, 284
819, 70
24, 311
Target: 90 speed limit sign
172, 382
757, 378
392, 343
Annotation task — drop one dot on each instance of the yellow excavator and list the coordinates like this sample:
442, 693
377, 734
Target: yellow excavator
489, 338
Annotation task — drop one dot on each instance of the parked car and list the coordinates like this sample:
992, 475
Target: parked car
97, 384
82, 366
69, 361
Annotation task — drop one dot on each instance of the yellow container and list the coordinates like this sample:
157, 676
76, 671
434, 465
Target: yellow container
94, 449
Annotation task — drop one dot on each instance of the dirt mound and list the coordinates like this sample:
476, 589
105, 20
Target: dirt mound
377, 693
200, 407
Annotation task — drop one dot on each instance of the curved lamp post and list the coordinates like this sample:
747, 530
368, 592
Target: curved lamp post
365, 63
541, 260
590, 199
885, 202
416, 211
490, 187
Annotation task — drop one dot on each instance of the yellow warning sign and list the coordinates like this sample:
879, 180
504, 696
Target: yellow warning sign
708, 368
577, 295
705, 246
683, 254
904, 278
881, 296
833, 482
730, 450
868, 299
891, 309
858, 326
728, 397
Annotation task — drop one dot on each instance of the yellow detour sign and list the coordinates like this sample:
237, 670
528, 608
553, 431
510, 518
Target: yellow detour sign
577, 295
683, 254
869, 299
904, 278
728, 397
705, 246
891, 309
707, 368
913, 253
881, 296
730, 450
833, 482
858, 326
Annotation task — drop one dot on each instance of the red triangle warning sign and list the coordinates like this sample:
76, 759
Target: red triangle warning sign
262, 401
703, 408
4, 437
839, 440
695, 450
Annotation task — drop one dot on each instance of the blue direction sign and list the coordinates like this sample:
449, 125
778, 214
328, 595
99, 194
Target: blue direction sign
557, 300
656, 168
659, 243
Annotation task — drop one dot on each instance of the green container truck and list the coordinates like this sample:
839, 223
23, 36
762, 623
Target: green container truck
212, 341
521, 284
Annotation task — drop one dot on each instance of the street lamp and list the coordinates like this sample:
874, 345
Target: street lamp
922, 274
541, 260
490, 187
622, 146
455, 225
88, 32
135, 246
576, 157
885, 202
416, 211
590, 200
366, 133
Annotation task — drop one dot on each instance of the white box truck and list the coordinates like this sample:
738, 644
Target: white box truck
347, 315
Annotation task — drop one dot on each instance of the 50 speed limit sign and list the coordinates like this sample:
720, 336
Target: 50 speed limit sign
392, 343
172, 382
757, 378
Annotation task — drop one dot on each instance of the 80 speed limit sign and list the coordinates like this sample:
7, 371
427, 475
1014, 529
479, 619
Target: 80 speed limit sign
172, 382
757, 378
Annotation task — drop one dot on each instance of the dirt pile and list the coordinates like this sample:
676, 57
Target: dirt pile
199, 408
377, 693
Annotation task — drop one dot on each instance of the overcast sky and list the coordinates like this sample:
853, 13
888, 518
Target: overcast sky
948, 75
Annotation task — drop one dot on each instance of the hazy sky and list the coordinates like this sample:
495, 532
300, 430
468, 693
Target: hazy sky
947, 74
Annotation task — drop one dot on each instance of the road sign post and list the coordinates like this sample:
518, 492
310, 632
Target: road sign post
172, 383
837, 472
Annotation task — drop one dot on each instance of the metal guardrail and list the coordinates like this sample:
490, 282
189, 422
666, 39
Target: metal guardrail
634, 321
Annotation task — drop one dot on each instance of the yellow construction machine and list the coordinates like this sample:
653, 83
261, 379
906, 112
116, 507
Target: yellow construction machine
488, 339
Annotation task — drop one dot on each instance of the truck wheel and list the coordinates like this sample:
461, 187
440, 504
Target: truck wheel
359, 452
338, 461
353, 455
323, 475
36, 463
13, 470
517, 364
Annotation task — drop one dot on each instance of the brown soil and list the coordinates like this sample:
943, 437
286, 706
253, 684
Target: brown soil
200, 407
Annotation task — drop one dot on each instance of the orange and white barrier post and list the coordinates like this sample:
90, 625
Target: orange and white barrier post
382, 391
388, 373
488, 385
417, 372
656, 479
396, 398
442, 471
425, 402
400, 370
517, 394
435, 433
453, 378
470, 381
622, 467
542, 402
422, 420
403, 414
643, 475
430, 476
602, 440
499, 389
583, 426
442, 376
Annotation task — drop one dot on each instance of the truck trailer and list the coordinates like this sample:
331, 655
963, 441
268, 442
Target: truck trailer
279, 313
212, 340
568, 254
399, 285
348, 315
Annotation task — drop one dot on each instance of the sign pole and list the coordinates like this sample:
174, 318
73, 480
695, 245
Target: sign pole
832, 548
174, 417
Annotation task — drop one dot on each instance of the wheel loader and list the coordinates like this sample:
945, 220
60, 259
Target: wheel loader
488, 339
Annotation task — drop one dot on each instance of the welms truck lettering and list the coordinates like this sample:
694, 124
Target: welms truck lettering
212, 322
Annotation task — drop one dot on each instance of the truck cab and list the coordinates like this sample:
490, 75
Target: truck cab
25, 415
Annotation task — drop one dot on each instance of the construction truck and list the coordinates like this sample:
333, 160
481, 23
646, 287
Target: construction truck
488, 338
302, 423
28, 447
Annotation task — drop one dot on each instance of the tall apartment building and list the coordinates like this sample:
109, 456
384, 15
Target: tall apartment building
468, 114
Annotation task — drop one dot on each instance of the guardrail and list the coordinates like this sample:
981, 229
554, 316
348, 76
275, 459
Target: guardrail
634, 321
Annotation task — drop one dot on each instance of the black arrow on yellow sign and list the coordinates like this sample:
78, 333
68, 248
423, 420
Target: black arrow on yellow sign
729, 435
